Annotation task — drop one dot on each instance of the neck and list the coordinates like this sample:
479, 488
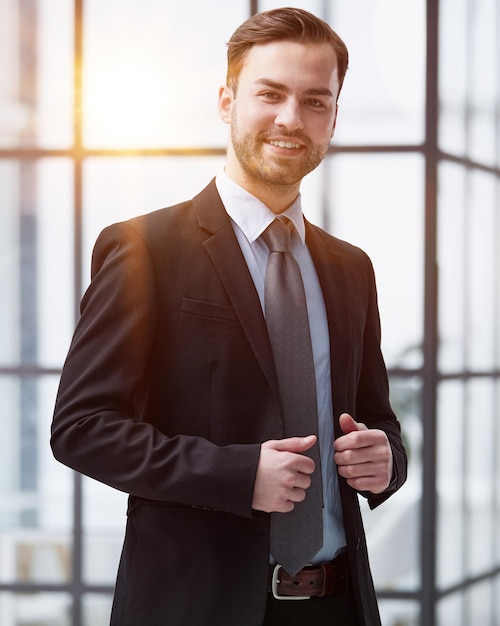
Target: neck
277, 198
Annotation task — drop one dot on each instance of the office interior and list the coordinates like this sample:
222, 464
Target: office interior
109, 110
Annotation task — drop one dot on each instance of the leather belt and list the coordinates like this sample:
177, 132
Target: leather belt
327, 579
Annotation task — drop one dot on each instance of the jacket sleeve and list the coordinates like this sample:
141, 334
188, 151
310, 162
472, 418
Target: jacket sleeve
372, 399
98, 429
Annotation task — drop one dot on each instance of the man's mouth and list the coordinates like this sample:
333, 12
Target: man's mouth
285, 144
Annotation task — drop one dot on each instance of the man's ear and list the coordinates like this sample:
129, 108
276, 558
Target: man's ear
226, 99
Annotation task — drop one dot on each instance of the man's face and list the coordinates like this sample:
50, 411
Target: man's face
283, 114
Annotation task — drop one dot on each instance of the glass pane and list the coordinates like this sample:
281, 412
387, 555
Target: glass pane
376, 202
406, 400
469, 279
496, 262
452, 262
483, 80
152, 80
96, 609
36, 73
450, 611
399, 613
104, 517
117, 189
36, 281
481, 275
10, 176
479, 605
467, 462
481, 454
382, 101
468, 70
496, 600
496, 478
453, 80
35, 609
35, 490
393, 530
451, 438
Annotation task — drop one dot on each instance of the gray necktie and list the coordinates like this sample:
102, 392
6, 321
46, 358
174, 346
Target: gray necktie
296, 536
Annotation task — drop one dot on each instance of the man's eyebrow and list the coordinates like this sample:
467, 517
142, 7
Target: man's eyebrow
313, 91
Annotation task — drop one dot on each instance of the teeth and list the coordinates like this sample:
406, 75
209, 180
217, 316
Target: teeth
285, 144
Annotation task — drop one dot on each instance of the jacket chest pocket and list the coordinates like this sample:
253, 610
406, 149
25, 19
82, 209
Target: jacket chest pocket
208, 310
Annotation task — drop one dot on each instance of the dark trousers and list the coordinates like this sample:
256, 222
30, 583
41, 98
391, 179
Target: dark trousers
337, 610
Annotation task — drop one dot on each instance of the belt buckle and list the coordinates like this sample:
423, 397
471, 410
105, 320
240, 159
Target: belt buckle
274, 587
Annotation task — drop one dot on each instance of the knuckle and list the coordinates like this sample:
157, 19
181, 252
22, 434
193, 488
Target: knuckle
351, 472
300, 495
347, 457
347, 471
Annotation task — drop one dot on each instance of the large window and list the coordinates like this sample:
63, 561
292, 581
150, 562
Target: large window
108, 110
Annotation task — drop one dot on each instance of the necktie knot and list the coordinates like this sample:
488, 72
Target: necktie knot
277, 236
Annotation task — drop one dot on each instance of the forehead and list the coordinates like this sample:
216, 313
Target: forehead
305, 65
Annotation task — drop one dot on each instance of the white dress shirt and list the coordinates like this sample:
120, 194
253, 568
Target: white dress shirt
250, 217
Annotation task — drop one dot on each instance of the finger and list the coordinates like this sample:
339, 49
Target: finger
296, 465
366, 444
358, 439
293, 497
292, 444
296, 494
373, 484
302, 481
285, 496
349, 425
374, 477
346, 454
363, 454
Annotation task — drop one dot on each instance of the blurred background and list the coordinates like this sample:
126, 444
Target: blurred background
109, 109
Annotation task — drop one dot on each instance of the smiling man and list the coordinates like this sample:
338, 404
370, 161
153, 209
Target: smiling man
226, 370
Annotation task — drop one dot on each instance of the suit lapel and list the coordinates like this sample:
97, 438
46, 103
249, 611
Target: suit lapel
225, 253
223, 248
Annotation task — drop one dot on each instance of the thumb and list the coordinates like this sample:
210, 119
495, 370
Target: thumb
349, 425
292, 444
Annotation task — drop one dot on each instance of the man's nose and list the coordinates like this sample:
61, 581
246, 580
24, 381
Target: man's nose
289, 115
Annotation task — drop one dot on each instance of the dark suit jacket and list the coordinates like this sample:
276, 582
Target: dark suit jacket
169, 389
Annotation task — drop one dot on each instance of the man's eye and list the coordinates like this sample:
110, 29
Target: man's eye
270, 95
316, 104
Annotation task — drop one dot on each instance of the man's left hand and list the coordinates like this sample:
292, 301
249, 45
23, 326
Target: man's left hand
363, 456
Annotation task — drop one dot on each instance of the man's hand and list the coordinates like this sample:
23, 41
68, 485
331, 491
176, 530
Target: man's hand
363, 456
283, 474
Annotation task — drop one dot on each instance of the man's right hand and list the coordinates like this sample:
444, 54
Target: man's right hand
283, 474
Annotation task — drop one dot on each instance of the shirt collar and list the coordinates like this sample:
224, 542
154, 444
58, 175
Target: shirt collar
252, 215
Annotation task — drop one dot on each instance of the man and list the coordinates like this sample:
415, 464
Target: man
173, 391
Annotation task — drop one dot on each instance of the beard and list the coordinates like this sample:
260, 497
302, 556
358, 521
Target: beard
276, 171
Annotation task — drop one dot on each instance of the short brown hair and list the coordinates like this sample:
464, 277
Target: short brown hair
286, 24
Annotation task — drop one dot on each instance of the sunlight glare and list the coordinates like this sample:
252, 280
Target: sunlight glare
122, 107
